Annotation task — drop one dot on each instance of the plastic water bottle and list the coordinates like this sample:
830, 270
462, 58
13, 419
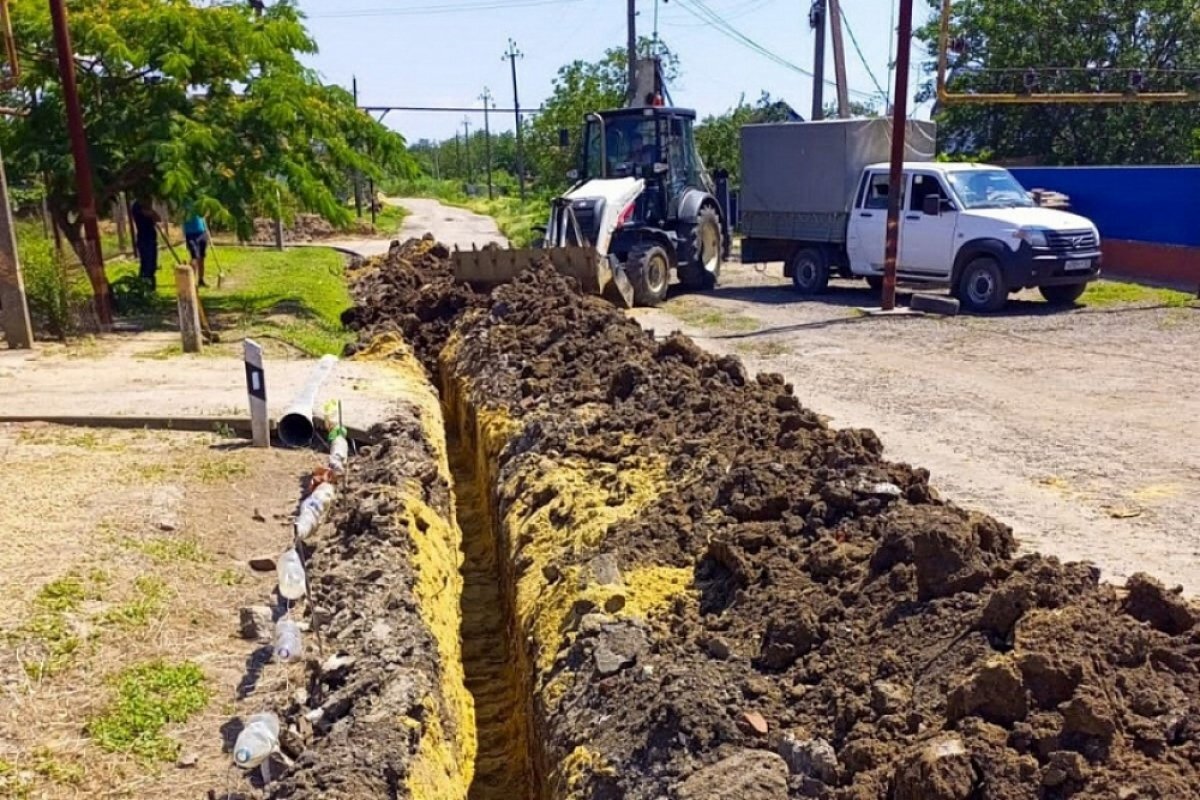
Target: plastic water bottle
339, 451
306, 521
288, 644
292, 583
257, 740
320, 499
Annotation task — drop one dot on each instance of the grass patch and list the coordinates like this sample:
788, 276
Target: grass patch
53, 641
167, 550
297, 296
767, 349
13, 785
221, 469
230, 577
389, 220
50, 767
704, 316
150, 595
1105, 294
147, 698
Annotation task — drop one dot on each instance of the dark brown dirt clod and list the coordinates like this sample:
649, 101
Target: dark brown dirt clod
893, 627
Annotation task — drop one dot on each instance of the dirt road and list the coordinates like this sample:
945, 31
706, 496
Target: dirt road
1075, 428
450, 226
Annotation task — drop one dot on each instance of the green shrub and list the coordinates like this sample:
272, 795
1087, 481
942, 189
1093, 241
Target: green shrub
58, 294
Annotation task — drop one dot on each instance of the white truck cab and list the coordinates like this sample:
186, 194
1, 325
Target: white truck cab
974, 227
815, 197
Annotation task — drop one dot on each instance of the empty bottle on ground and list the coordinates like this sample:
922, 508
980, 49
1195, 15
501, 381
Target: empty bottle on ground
257, 740
288, 644
292, 583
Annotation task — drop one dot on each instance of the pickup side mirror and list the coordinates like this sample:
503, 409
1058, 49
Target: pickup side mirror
564, 138
932, 206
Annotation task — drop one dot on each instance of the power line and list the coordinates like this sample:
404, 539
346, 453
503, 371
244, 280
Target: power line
441, 8
861, 57
701, 11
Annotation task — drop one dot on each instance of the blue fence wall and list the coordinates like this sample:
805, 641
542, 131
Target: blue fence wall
1142, 204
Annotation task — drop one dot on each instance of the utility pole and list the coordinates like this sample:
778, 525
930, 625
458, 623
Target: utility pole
93, 256
357, 177
511, 57
458, 166
14, 308
467, 150
816, 20
486, 97
631, 52
839, 59
899, 122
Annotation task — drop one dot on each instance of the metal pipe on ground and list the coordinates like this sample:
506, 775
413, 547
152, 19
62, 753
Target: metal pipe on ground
296, 427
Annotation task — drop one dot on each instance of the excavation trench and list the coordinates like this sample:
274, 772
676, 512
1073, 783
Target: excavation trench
500, 691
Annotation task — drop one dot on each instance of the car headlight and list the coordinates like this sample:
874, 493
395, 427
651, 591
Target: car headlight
1036, 237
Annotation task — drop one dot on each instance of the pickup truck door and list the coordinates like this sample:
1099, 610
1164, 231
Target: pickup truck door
866, 232
927, 241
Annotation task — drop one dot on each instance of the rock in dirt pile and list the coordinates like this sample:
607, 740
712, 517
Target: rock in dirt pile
716, 595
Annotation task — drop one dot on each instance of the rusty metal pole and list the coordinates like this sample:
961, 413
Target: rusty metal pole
895, 187
93, 256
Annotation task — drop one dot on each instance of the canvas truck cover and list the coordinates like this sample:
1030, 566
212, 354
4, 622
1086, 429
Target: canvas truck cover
799, 178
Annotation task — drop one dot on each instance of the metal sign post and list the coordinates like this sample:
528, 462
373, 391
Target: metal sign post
256, 389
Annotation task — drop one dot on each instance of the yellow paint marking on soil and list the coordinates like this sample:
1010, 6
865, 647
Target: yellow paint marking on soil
1156, 491
446, 761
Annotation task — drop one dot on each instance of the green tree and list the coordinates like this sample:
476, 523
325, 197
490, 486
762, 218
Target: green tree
204, 104
580, 88
718, 137
1071, 45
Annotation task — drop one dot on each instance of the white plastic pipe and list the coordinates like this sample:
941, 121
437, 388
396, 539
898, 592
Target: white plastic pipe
296, 425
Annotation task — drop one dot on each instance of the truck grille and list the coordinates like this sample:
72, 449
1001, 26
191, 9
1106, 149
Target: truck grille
1062, 242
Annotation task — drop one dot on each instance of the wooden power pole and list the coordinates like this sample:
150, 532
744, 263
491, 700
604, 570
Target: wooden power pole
14, 308
93, 256
631, 51
839, 59
899, 127
511, 57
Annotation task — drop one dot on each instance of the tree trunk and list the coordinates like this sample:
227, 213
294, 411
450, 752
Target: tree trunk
73, 231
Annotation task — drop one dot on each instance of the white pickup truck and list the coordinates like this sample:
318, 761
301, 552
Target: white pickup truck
809, 200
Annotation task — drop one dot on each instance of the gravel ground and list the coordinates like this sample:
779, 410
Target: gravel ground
1072, 426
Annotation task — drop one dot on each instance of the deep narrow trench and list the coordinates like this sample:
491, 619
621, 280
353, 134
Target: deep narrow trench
502, 766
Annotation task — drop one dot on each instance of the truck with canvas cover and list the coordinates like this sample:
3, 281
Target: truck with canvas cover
815, 196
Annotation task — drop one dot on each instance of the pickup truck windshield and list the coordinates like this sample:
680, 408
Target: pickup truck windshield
989, 188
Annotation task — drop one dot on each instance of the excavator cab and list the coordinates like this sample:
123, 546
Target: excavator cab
642, 206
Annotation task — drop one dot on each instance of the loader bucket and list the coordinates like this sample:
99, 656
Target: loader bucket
492, 266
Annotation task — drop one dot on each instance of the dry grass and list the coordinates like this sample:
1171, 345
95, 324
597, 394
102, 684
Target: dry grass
116, 630
699, 314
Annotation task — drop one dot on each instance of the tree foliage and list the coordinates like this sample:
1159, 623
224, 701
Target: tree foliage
208, 104
1071, 45
719, 137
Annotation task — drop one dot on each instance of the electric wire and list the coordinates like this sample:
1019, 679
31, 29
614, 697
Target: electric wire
861, 56
441, 8
700, 10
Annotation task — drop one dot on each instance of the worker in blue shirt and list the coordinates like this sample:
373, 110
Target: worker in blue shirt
195, 232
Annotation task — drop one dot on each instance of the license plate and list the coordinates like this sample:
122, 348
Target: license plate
1079, 263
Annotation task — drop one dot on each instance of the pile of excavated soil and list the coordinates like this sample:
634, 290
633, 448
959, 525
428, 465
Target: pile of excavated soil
304, 228
385, 712
839, 630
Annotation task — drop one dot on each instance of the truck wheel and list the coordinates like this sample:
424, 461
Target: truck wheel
649, 270
1063, 295
981, 286
705, 250
810, 271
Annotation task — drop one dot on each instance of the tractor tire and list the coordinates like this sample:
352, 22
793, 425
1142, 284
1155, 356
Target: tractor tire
649, 270
810, 271
705, 247
981, 287
1063, 295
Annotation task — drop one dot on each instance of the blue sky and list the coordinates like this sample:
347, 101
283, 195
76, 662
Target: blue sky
444, 52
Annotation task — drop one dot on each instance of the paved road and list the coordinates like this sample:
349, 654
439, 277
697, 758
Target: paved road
455, 227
